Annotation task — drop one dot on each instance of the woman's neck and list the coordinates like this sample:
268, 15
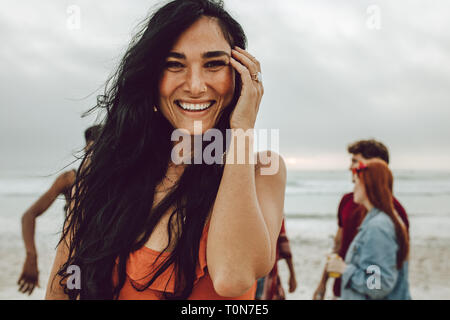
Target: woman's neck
367, 204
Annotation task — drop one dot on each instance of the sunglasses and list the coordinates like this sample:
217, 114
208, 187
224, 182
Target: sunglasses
361, 167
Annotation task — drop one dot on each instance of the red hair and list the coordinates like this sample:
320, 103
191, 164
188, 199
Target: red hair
378, 181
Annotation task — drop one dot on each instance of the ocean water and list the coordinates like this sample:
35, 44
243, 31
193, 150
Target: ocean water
318, 193
312, 197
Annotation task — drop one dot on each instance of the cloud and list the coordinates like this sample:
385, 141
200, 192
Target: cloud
329, 79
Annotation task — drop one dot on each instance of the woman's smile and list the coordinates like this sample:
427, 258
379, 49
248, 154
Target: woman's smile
194, 106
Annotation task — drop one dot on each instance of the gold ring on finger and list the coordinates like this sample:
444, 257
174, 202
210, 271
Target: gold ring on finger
257, 77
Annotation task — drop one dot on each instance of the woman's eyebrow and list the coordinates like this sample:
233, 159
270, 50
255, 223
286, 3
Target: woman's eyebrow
176, 55
215, 54
206, 55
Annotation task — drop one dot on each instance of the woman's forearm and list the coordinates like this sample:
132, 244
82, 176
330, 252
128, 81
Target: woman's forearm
28, 230
239, 243
290, 265
29, 217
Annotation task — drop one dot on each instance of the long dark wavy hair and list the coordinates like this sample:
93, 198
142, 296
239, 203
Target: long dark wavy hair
113, 212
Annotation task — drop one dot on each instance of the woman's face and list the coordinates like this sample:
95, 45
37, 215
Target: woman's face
198, 80
359, 191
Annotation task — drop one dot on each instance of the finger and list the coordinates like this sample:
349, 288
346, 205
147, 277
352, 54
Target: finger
247, 62
243, 71
253, 68
22, 286
248, 81
27, 288
246, 53
248, 85
30, 290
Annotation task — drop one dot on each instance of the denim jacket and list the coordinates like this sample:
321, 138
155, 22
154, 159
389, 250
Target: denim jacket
371, 260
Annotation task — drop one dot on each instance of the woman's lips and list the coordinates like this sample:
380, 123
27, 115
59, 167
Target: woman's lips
198, 107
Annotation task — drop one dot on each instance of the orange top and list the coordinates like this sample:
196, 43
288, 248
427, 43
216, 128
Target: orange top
140, 266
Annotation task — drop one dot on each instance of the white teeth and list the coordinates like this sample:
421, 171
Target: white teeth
191, 106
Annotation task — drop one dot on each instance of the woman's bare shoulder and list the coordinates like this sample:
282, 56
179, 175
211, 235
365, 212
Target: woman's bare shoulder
270, 166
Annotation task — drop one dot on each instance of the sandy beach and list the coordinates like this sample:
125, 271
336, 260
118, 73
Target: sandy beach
429, 261
428, 274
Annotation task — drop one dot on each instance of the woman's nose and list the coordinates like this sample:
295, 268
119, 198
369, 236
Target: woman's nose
195, 82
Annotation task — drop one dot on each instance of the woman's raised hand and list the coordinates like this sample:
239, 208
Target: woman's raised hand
244, 115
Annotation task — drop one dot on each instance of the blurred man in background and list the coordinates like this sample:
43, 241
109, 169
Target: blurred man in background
269, 287
29, 277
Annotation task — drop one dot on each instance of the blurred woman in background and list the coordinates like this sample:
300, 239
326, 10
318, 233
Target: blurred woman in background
376, 263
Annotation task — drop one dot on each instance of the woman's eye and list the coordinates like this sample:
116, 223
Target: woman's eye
215, 64
174, 65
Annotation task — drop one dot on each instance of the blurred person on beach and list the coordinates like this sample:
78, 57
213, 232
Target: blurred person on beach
350, 213
142, 225
62, 185
270, 287
376, 263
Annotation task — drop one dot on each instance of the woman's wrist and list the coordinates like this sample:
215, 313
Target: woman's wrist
243, 126
31, 254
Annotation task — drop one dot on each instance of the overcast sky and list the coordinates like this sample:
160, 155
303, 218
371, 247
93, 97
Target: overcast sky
334, 72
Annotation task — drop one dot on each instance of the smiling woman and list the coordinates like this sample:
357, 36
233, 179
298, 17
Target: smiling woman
139, 225
198, 82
